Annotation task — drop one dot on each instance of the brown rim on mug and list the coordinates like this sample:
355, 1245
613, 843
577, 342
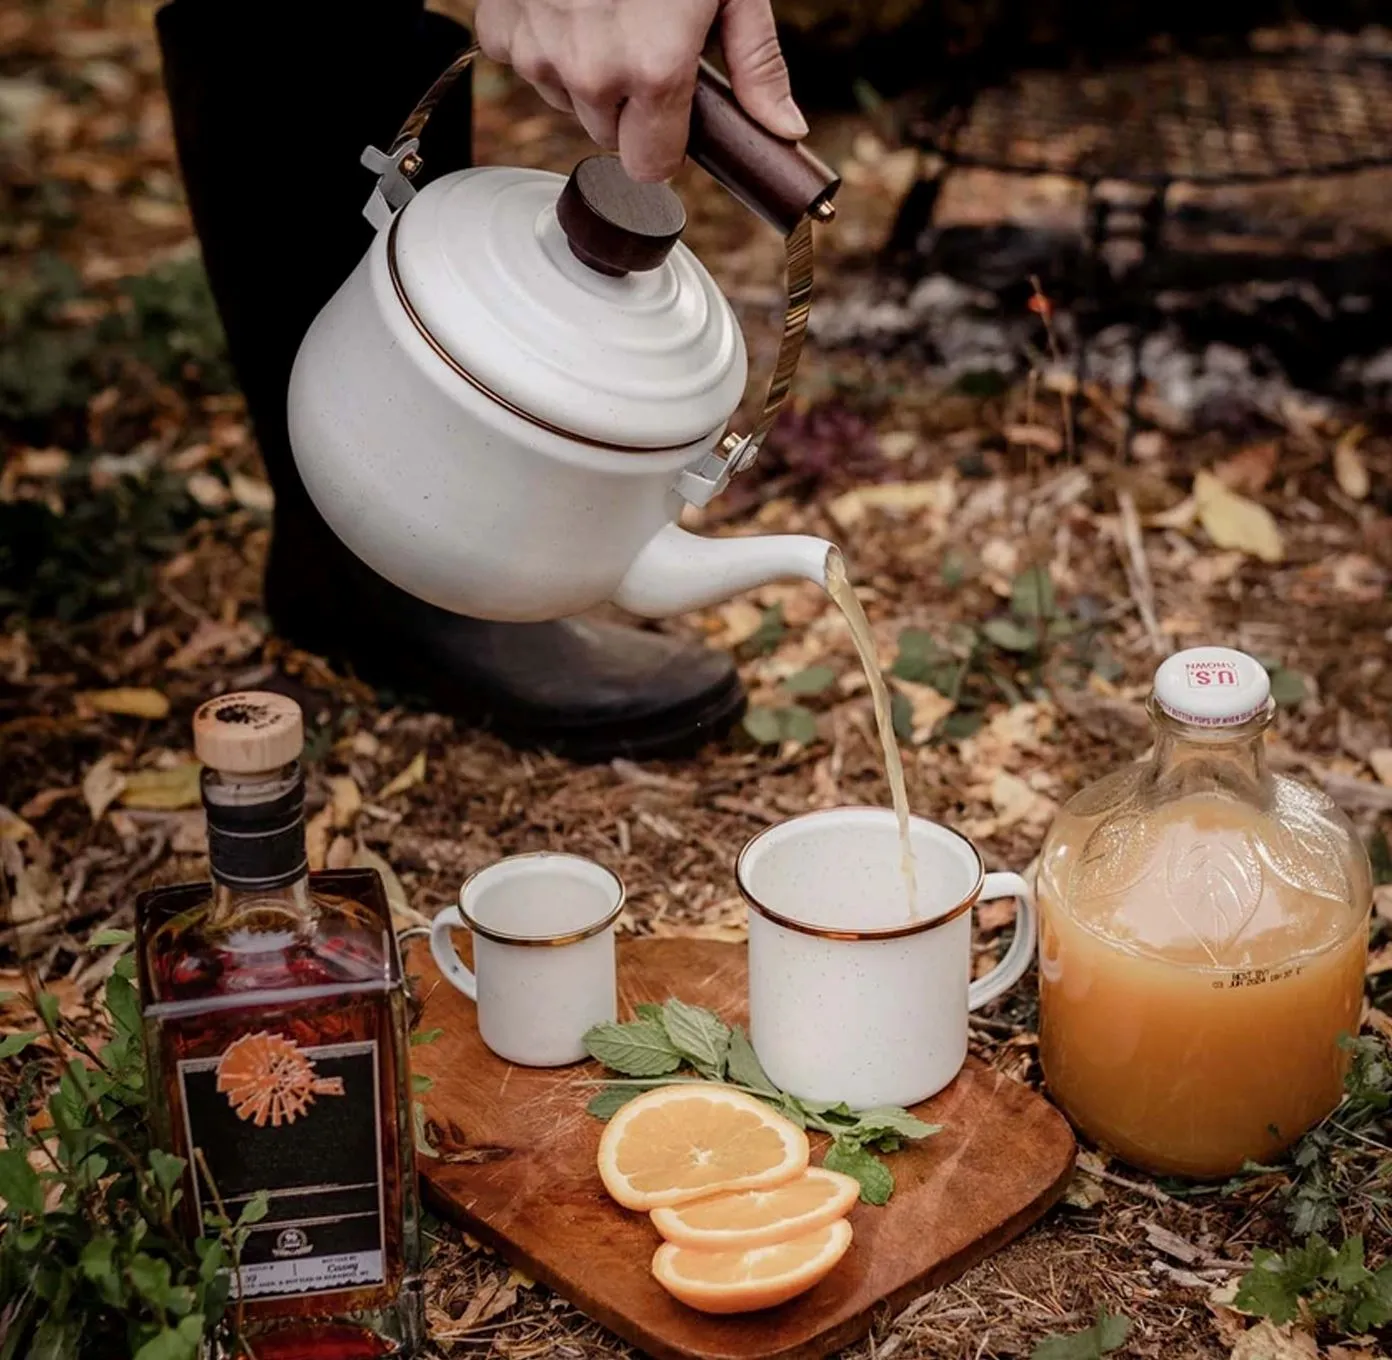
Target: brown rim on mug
883, 933
543, 941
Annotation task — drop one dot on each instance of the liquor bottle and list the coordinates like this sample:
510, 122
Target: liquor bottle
276, 1036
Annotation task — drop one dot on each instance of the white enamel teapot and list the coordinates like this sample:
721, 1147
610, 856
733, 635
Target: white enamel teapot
506, 406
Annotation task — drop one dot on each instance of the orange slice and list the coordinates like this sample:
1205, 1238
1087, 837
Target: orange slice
741, 1219
688, 1141
745, 1281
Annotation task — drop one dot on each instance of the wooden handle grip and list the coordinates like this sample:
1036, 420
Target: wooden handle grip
779, 180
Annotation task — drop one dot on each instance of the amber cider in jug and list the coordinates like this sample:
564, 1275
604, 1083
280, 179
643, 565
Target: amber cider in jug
1203, 938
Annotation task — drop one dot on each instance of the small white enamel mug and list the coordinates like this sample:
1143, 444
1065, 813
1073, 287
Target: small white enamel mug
543, 928
851, 998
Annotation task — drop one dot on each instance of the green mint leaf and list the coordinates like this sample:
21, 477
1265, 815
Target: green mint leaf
764, 725
169, 1170
813, 680
836, 1110
212, 1257
789, 1109
766, 637
1264, 1291
1347, 1270
1032, 594
97, 1261
648, 1010
1106, 1335
57, 1339
1009, 635
254, 1210
106, 939
125, 967
17, 1043
799, 724
698, 1035
606, 1103
20, 1186
876, 1179
890, 1119
743, 1066
48, 1009
150, 1277
175, 1343
426, 1036
420, 1083
1288, 688
901, 716
640, 1048
124, 1005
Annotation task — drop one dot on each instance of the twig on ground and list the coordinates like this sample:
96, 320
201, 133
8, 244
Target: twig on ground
1137, 569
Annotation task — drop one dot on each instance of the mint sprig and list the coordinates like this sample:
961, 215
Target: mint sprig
668, 1042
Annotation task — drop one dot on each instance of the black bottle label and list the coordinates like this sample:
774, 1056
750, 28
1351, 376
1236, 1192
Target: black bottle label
301, 1124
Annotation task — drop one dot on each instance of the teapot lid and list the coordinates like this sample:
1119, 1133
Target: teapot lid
572, 301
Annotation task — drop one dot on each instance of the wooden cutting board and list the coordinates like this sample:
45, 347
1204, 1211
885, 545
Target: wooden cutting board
517, 1170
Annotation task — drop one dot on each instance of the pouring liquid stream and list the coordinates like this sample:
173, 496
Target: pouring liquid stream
839, 587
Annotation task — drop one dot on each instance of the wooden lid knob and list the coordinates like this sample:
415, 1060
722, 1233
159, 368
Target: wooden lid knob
248, 732
614, 224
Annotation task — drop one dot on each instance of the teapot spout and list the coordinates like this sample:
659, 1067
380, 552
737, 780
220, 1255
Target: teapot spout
677, 571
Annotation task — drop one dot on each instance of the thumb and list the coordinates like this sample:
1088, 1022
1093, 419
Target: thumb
758, 72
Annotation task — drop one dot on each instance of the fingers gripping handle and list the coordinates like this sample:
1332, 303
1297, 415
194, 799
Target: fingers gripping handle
779, 180
446, 958
1017, 958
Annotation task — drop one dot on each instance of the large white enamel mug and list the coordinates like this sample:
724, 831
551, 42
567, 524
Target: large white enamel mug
850, 997
544, 970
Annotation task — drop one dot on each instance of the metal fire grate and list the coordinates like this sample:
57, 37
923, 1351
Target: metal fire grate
1245, 119
1254, 118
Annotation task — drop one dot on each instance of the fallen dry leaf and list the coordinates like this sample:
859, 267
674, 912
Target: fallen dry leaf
102, 785
1039, 437
231, 641
404, 915
1381, 762
26, 859
165, 790
45, 800
345, 800
1266, 1341
1232, 521
252, 494
939, 496
412, 775
317, 830
1249, 469
1014, 801
340, 855
1350, 471
208, 490
928, 707
739, 620
133, 703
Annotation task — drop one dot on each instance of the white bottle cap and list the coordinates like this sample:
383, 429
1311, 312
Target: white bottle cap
1212, 687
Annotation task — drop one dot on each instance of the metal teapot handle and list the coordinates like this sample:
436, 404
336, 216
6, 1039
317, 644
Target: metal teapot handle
780, 181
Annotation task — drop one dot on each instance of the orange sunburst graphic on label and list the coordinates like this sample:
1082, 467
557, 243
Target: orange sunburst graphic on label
269, 1081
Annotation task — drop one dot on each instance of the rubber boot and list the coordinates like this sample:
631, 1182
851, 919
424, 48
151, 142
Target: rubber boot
273, 102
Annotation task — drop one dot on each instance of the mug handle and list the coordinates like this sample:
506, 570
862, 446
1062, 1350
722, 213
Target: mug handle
1017, 958
447, 958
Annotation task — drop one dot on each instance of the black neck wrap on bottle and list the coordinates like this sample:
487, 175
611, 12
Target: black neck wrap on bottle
257, 846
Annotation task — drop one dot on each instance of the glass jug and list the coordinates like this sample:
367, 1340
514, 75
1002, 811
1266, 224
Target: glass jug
1203, 937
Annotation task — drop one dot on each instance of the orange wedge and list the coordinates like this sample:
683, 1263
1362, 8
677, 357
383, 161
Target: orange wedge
741, 1219
690, 1140
745, 1281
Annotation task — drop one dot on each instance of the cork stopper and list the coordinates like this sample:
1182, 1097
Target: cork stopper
249, 732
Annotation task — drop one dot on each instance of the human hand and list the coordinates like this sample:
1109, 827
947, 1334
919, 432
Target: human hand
627, 68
